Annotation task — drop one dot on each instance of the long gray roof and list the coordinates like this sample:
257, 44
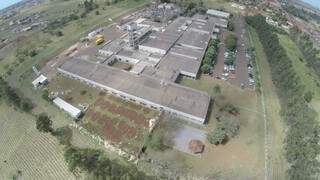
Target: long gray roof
170, 95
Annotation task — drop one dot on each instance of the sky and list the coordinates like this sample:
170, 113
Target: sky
315, 3
6, 3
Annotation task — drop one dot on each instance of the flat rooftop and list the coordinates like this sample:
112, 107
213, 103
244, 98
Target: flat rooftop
174, 96
183, 64
194, 40
164, 40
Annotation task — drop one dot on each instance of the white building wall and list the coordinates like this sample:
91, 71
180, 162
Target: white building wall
127, 59
152, 49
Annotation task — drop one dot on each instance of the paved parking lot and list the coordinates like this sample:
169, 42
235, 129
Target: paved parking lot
241, 71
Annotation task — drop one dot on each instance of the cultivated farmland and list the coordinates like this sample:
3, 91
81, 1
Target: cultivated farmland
119, 122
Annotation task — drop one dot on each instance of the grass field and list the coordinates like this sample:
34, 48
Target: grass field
229, 161
275, 124
36, 155
221, 4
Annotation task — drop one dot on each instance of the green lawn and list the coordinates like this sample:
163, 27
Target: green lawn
272, 109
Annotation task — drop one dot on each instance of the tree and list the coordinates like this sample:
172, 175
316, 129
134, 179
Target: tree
230, 25
64, 135
26, 105
97, 13
217, 89
32, 53
154, 140
205, 68
230, 124
217, 136
231, 42
45, 95
308, 96
227, 128
59, 33
98, 166
44, 123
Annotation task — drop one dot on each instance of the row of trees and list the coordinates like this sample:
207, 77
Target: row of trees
99, 166
305, 45
303, 133
190, 7
12, 97
210, 55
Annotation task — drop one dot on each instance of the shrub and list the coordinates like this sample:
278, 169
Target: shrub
217, 136
44, 123
205, 68
64, 135
308, 96
231, 42
154, 140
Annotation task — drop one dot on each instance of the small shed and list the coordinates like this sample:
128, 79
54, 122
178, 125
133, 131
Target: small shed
71, 110
196, 146
40, 81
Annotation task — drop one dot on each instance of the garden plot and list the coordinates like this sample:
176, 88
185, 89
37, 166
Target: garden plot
120, 122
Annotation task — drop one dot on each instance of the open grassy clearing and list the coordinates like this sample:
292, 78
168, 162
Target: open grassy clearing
230, 160
221, 4
72, 91
120, 122
276, 125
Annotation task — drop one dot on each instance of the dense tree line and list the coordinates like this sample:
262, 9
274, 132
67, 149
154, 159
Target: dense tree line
302, 136
11, 96
305, 45
99, 166
189, 7
210, 55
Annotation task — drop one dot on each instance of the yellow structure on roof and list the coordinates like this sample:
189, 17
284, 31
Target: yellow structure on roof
99, 39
